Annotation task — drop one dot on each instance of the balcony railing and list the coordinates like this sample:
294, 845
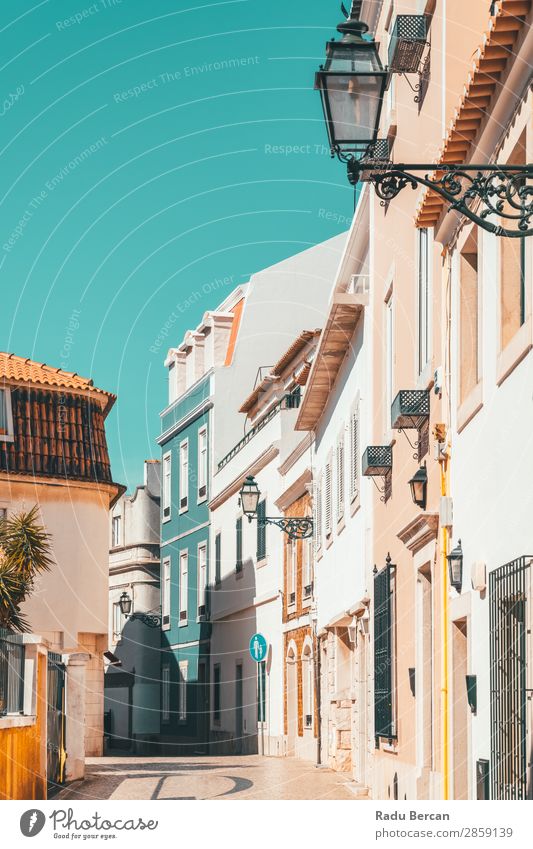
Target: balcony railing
410, 409
377, 460
290, 401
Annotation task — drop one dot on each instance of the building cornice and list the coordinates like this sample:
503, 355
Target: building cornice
421, 530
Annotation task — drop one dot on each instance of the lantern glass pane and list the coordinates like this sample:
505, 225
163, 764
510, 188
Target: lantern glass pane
354, 104
250, 500
352, 60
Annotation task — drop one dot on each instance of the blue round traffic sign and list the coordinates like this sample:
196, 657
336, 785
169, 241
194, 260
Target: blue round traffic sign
258, 648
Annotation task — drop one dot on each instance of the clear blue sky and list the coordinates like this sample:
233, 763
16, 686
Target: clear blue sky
149, 152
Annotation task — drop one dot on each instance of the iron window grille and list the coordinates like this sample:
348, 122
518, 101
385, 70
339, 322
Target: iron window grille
308, 590
261, 530
510, 622
238, 532
384, 725
12, 656
308, 720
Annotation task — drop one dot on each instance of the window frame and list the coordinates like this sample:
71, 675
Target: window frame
292, 561
328, 498
308, 683
218, 559
9, 435
116, 538
201, 585
183, 476
165, 692
183, 594
340, 455
354, 438
166, 501
202, 464
166, 585
423, 299
183, 677
261, 548
385, 645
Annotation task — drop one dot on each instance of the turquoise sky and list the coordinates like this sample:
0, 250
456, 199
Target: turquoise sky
153, 155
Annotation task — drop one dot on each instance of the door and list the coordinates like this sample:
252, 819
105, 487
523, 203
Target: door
460, 709
292, 702
239, 725
55, 754
203, 708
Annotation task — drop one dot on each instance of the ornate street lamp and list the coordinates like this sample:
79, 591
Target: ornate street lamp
296, 527
455, 565
419, 487
352, 83
153, 620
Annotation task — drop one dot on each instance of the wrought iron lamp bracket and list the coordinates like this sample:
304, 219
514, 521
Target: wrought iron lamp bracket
475, 191
296, 527
152, 620
380, 489
414, 445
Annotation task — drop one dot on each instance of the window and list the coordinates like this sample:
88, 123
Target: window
389, 362
308, 686
218, 559
202, 578
116, 531
216, 694
290, 555
165, 693
261, 694
261, 530
184, 475
513, 267
307, 567
238, 544
384, 653
424, 332
354, 453
468, 317
118, 621
182, 691
317, 509
327, 498
165, 593
167, 490
202, 463
184, 568
6, 416
340, 477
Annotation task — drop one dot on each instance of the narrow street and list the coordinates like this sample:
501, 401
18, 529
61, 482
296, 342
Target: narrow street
246, 777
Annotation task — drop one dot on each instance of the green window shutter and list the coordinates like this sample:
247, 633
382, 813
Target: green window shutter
238, 531
261, 530
383, 660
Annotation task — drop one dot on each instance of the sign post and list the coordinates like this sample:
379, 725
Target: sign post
258, 653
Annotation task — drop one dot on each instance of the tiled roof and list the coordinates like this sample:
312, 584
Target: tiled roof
24, 370
489, 63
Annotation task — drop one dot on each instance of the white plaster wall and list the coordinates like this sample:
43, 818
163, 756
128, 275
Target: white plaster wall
492, 469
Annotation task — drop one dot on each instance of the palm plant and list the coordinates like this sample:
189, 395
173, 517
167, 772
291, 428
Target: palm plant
24, 553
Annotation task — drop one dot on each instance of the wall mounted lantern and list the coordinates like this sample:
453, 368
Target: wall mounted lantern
296, 527
352, 84
153, 620
455, 564
419, 487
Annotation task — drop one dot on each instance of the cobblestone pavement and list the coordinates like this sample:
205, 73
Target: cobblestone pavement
245, 777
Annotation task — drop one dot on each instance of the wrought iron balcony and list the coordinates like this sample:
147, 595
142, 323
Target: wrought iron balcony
407, 43
410, 409
291, 401
377, 460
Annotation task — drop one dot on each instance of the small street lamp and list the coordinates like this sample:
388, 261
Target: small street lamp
352, 84
153, 620
455, 564
419, 487
296, 527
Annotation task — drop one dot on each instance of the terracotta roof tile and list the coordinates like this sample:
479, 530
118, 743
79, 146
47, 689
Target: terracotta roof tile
24, 370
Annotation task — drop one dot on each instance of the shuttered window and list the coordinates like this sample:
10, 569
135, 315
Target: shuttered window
317, 509
238, 542
384, 660
218, 562
261, 530
354, 453
340, 477
327, 498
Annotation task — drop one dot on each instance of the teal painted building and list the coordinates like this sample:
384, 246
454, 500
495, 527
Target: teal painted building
185, 458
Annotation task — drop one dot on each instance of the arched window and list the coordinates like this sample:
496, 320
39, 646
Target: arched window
308, 680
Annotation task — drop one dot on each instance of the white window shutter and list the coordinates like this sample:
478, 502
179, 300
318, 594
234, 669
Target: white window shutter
340, 476
354, 453
327, 496
317, 510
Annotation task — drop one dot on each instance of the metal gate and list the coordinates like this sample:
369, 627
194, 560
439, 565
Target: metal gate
55, 755
510, 679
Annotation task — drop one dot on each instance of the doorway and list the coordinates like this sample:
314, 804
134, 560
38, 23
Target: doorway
239, 724
202, 707
292, 701
460, 709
